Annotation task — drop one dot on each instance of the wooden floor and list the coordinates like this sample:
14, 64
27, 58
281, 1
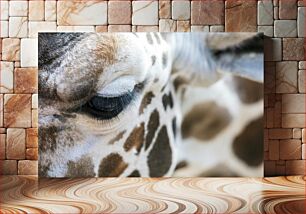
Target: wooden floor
167, 195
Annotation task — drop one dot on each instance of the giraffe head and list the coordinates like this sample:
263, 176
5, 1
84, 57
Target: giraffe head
109, 103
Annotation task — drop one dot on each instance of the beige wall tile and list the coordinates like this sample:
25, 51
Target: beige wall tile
36, 10
27, 167
295, 167
8, 167
50, 10
119, 12
285, 28
180, 10
199, 28
287, 9
15, 144
293, 49
32, 138
119, 28
11, 49
183, 26
26, 80
1, 110
4, 6
2, 146
29, 53
265, 12
293, 120
18, 27
145, 13
167, 25
297, 133
216, 28
290, 149
301, 81
207, 12
34, 118
293, 103
302, 65
4, 29
35, 27
6, 74
147, 28
18, 8
35, 101
286, 77
164, 9
301, 22
17, 110
75, 29
280, 133
101, 28
83, 12
32, 154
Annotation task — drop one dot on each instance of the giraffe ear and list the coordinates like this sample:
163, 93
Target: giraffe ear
244, 59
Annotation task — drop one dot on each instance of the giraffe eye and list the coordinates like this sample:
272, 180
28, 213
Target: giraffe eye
108, 107
105, 108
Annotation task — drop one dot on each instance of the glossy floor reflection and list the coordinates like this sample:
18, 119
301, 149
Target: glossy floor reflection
131, 195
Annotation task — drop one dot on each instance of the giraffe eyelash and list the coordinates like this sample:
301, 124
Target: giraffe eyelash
108, 107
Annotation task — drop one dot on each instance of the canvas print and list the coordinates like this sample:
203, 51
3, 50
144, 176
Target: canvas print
150, 104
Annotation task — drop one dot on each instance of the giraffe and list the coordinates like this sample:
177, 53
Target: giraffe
135, 104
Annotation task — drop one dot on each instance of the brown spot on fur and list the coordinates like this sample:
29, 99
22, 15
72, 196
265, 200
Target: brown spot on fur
222, 41
153, 58
146, 101
47, 138
112, 166
205, 120
164, 60
136, 139
181, 164
117, 138
248, 90
179, 82
160, 157
135, 173
149, 38
174, 126
164, 87
157, 38
167, 100
80, 168
50, 137
164, 36
152, 127
219, 171
248, 145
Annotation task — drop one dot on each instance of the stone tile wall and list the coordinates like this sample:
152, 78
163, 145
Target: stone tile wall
283, 20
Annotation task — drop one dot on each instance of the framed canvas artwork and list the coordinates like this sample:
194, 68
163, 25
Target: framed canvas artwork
150, 104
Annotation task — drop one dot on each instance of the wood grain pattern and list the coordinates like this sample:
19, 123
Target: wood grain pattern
139, 195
